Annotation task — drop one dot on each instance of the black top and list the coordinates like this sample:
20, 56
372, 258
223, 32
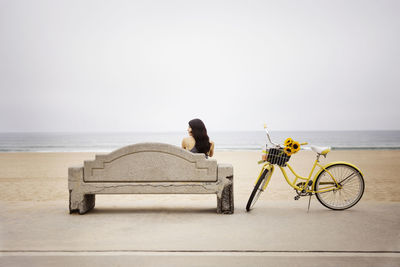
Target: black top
194, 150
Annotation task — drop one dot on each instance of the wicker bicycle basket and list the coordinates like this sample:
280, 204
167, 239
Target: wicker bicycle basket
277, 156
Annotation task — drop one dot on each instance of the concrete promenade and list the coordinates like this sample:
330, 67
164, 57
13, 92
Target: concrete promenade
181, 230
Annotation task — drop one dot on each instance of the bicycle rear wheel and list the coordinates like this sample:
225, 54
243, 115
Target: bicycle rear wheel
351, 191
255, 194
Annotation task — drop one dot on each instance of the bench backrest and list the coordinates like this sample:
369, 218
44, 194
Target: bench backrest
150, 162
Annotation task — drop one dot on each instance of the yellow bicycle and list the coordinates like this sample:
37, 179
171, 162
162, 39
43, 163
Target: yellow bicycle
337, 185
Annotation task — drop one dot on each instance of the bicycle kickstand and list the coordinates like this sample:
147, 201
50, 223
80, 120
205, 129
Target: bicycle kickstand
309, 201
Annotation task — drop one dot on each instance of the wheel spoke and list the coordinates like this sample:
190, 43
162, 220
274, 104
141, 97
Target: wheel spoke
342, 182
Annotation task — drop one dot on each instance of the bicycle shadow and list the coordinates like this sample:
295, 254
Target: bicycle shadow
284, 208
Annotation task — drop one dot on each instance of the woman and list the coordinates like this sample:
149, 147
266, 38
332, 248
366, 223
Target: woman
198, 140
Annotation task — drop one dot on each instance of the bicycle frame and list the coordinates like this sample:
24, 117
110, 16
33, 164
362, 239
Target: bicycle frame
334, 185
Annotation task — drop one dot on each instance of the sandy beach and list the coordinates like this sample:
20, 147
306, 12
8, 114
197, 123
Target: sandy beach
43, 176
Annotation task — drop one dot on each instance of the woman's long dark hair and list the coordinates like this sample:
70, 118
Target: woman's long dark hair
199, 133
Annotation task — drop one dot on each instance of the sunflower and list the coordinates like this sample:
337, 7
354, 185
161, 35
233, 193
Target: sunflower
288, 151
288, 142
295, 146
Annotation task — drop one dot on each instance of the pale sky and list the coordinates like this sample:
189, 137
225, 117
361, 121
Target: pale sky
154, 65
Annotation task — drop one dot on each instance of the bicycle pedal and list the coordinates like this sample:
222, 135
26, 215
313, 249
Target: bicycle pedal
296, 197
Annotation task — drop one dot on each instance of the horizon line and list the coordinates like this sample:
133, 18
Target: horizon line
176, 131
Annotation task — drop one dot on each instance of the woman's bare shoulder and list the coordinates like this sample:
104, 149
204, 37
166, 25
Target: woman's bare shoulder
188, 139
188, 142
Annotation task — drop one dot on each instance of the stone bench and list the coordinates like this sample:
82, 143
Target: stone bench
150, 168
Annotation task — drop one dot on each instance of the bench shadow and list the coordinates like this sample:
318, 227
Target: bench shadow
150, 210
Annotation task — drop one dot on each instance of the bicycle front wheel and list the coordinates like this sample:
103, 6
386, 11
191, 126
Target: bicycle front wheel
255, 194
347, 194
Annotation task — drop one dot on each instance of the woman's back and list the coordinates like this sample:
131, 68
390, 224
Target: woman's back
198, 140
189, 143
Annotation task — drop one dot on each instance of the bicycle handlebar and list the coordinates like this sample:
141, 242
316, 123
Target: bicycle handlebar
277, 145
269, 137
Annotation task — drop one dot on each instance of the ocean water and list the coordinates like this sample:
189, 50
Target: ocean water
251, 140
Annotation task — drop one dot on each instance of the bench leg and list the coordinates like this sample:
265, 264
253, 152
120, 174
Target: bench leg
225, 202
81, 203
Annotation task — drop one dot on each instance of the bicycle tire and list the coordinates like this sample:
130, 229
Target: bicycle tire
352, 188
256, 188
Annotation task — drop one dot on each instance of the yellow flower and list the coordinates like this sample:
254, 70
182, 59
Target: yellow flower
288, 151
295, 146
288, 141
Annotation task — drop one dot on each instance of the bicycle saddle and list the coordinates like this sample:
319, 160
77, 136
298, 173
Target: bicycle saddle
323, 150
